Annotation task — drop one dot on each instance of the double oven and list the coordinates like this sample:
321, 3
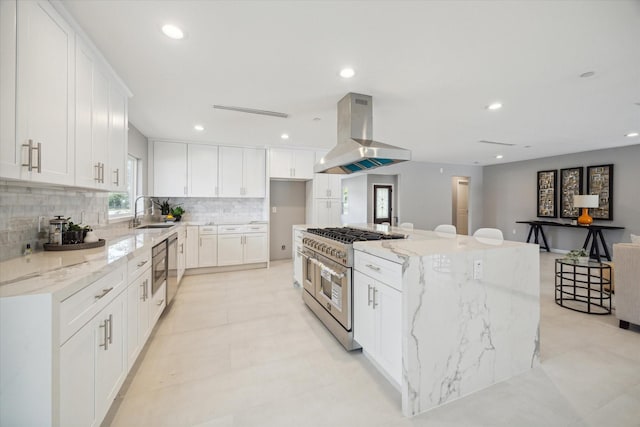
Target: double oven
329, 283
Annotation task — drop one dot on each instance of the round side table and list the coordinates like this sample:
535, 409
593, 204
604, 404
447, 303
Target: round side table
581, 286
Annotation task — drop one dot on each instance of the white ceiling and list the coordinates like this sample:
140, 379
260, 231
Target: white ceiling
431, 67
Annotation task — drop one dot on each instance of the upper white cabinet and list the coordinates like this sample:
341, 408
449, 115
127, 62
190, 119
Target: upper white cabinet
242, 172
291, 164
59, 118
202, 170
181, 169
118, 139
327, 186
169, 169
92, 120
10, 158
45, 92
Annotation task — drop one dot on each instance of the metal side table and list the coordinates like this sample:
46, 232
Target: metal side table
581, 286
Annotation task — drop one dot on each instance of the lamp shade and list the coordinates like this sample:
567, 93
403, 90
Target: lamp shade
585, 201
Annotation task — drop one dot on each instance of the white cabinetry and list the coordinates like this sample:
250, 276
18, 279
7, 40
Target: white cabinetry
242, 172
169, 169
327, 186
202, 170
45, 98
118, 137
291, 164
242, 244
138, 301
327, 211
208, 246
10, 158
92, 120
377, 312
297, 256
192, 244
324, 198
182, 252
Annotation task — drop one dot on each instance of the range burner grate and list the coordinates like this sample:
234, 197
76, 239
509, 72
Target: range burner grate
350, 235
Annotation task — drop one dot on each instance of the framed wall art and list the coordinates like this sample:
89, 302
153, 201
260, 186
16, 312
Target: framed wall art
547, 186
570, 185
600, 182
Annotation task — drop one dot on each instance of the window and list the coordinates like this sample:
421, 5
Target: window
120, 204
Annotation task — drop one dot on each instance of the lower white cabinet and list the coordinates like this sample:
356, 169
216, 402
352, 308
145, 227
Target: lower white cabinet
377, 322
208, 250
242, 244
182, 252
192, 246
138, 322
93, 366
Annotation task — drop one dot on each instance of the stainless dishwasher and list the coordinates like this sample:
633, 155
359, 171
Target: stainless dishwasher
172, 270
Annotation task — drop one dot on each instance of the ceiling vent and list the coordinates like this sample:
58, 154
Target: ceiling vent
505, 144
251, 111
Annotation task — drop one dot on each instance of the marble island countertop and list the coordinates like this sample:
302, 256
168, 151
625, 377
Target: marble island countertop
63, 273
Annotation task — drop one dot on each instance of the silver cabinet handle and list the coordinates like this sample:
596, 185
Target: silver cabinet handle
104, 292
105, 336
373, 267
29, 164
39, 157
102, 173
110, 335
96, 168
375, 291
160, 302
368, 295
140, 264
181, 248
117, 172
144, 291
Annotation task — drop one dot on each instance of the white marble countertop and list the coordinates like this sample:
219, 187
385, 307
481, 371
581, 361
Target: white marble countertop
62, 273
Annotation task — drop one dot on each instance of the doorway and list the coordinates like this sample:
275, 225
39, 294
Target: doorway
287, 207
460, 204
382, 203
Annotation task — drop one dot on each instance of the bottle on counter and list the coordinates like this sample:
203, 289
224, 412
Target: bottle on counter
27, 250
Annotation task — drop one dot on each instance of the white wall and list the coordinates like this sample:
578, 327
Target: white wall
509, 195
138, 148
356, 209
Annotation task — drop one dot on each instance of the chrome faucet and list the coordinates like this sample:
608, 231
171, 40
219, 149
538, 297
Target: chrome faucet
136, 221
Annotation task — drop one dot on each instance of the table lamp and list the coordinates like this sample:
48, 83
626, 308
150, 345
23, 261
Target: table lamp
585, 202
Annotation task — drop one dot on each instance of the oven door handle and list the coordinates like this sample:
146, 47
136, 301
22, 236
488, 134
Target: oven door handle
330, 270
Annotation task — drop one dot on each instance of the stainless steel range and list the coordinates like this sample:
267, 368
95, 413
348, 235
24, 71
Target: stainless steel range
327, 262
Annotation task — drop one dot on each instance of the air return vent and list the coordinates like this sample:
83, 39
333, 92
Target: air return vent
484, 141
251, 111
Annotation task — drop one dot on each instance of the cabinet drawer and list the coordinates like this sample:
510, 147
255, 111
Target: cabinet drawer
380, 269
137, 265
230, 229
255, 228
208, 229
80, 307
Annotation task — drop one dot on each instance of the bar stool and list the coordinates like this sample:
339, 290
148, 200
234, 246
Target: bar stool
446, 228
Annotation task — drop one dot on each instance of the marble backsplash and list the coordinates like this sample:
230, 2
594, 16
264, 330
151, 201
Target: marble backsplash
25, 213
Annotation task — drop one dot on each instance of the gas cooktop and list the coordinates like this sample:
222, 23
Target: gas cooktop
350, 235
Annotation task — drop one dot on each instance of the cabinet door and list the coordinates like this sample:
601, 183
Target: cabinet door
111, 365
335, 211
138, 294
327, 186
144, 302
203, 170
328, 212
388, 326
192, 247
254, 172
169, 169
280, 162
45, 98
230, 249
231, 184
116, 177
182, 254
363, 320
10, 153
303, 164
334, 185
297, 265
77, 378
208, 251
255, 247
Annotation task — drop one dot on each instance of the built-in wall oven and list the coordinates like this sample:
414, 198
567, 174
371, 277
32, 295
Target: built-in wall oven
159, 265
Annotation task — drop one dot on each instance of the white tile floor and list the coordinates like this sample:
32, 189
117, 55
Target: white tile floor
241, 349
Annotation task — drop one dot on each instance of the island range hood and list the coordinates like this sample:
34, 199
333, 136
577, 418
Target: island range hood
356, 151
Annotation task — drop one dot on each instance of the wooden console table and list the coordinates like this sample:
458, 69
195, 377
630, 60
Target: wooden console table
594, 235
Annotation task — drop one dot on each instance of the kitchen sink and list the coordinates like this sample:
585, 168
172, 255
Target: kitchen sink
155, 226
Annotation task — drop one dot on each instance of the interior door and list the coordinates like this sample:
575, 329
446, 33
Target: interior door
382, 204
462, 206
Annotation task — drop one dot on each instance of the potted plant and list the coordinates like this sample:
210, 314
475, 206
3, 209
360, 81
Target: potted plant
578, 255
165, 207
177, 213
74, 233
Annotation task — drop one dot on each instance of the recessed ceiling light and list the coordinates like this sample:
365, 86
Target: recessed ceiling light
199, 128
499, 156
588, 74
494, 106
284, 136
172, 32
347, 73
631, 134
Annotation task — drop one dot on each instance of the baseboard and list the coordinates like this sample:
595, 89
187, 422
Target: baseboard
224, 268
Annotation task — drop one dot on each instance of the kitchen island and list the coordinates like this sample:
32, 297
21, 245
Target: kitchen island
467, 313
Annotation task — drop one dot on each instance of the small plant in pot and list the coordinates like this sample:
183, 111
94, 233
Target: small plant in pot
177, 213
578, 255
165, 207
74, 233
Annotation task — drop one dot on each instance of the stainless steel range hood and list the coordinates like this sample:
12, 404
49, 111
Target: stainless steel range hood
356, 151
